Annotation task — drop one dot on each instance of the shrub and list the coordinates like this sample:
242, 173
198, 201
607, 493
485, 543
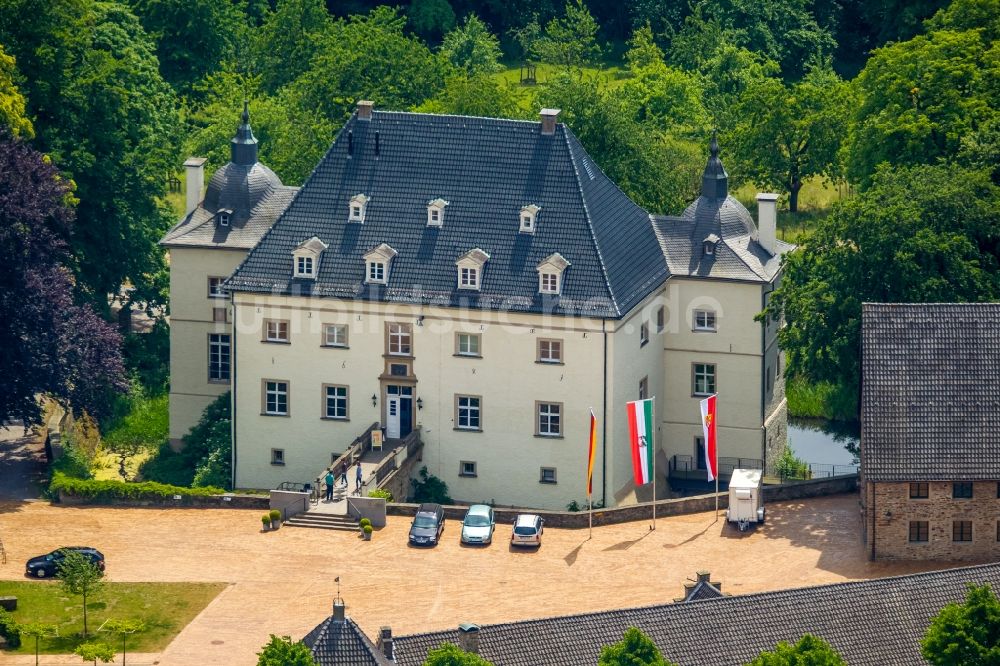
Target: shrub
367, 529
381, 492
274, 514
103, 491
573, 506
206, 456
266, 520
10, 629
364, 522
791, 467
429, 489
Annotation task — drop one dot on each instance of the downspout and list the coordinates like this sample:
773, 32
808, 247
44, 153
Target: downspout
232, 392
763, 377
604, 421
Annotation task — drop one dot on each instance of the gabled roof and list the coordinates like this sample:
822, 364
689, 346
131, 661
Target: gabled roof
313, 245
873, 622
930, 391
487, 169
343, 644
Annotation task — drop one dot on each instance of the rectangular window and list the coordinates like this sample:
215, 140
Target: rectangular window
355, 212
467, 468
275, 398
275, 330
215, 287
218, 357
219, 315
334, 402
399, 369
304, 266
704, 378
547, 475
919, 490
335, 335
549, 419
277, 456
643, 388
919, 531
704, 320
961, 530
699, 452
400, 339
661, 320
469, 278
643, 334
468, 412
961, 490
550, 351
550, 283
376, 271
435, 215
467, 344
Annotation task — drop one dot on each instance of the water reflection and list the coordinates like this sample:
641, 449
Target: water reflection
825, 442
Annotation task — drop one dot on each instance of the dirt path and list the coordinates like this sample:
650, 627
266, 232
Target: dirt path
22, 463
282, 582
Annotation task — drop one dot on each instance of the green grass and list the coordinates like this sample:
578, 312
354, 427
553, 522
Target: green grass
612, 76
176, 200
164, 608
816, 198
821, 400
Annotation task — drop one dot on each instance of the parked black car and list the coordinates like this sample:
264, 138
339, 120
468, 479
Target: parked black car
427, 525
48, 565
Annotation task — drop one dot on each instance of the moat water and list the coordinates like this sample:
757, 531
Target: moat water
824, 442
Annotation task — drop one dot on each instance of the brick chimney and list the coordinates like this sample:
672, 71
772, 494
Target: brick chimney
549, 117
468, 637
767, 221
194, 168
365, 109
339, 611
385, 642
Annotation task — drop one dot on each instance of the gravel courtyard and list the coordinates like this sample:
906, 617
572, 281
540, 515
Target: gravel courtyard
283, 582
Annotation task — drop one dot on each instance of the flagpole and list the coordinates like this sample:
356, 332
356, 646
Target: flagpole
653, 452
590, 517
715, 424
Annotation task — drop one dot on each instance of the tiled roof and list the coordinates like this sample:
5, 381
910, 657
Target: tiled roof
930, 398
874, 622
343, 644
702, 591
487, 169
244, 232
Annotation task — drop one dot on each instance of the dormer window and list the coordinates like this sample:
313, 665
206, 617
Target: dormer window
358, 208
435, 212
377, 263
305, 258
224, 217
529, 218
470, 268
710, 242
550, 274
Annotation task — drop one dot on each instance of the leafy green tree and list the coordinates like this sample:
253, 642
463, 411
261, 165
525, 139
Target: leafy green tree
642, 49
126, 628
283, 652
38, 631
924, 234
79, 576
431, 19
448, 654
966, 633
669, 98
472, 47
788, 133
528, 37
809, 651
475, 96
143, 428
287, 41
95, 652
429, 488
570, 41
12, 105
206, 456
634, 649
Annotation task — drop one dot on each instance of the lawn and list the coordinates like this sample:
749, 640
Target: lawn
164, 608
612, 76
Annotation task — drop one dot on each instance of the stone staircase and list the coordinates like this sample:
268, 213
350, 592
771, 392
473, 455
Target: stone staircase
323, 521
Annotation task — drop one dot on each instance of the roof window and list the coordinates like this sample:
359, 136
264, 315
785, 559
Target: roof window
529, 218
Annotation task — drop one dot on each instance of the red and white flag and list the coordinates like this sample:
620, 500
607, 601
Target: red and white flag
708, 424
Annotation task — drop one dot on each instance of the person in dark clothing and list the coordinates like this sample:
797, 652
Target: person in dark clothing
343, 474
329, 485
357, 477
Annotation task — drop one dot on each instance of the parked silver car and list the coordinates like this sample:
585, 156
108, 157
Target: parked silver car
527, 530
478, 525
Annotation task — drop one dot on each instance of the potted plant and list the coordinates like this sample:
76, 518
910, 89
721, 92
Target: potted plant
266, 520
363, 523
275, 516
367, 532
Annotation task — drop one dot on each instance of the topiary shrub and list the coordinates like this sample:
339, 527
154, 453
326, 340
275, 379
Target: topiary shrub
367, 529
266, 520
381, 492
274, 514
10, 629
364, 522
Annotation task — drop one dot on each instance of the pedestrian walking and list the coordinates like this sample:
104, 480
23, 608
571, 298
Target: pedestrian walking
343, 474
357, 477
329, 485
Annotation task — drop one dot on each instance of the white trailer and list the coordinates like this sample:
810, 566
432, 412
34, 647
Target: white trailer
746, 504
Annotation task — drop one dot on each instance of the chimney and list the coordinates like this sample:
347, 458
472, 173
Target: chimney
468, 637
385, 642
549, 121
767, 221
194, 167
339, 611
703, 576
365, 110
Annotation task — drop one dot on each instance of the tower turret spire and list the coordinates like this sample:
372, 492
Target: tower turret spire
243, 147
715, 180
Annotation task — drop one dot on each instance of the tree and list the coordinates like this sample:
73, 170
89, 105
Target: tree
634, 649
126, 628
283, 652
669, 98
95, 652
79, 576
38, 631
642, 49
51, 345
925, 234
448, 654
142, 428
966, 633
472, 48
809, 651
788, 133
287, 41
474, 96
570, 41
205, 459
431, 18
12, 105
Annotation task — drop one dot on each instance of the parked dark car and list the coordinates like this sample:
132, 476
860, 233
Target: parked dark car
48, 565
427, 525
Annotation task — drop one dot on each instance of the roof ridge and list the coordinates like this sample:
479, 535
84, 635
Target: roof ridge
567, 134
739, 255
417, 114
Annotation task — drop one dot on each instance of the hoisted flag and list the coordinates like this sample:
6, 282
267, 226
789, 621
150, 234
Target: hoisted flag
708, 425
590, 455
640, 428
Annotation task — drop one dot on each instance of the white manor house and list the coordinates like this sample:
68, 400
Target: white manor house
479, 279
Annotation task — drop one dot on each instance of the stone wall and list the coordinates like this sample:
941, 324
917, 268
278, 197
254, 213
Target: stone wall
186, 502
775, 433
644, 512
889, 511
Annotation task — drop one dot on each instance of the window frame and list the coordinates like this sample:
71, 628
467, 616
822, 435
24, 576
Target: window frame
922, 529
405, 331
228, 345
964, 486
710, 325
376, 272
550, 359
661, 319
557, 416
336, 345
215, 289
644, 388
278, 457
958, 531
695, 393
542, 476
552, 276
300, 264
478, 337
264, 394
643, 333
472, 410
915, 490
468, 277
463, 472
220, 315
325, 402
277, 339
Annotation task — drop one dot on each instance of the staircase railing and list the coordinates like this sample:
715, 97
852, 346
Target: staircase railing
411, 444
361, 443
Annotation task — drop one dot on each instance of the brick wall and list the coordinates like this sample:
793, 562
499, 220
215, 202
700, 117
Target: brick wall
892, 531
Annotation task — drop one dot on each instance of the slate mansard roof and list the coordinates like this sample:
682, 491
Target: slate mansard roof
930, 391
487, 170
343, 643
873, 622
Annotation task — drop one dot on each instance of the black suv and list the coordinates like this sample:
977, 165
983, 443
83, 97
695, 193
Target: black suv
48, 565
427, 525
